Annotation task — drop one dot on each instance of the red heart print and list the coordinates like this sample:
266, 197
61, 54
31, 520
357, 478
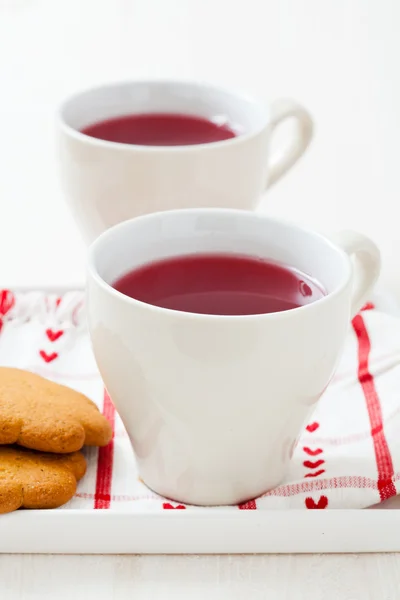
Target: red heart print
368, 306
315, 474
7, 301
249, 505
54, 335
312, 427
167, 505
322, 502
48, 357
312, 452
313, 464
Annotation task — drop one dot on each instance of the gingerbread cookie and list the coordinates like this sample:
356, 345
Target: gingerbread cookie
43, 415
30, 479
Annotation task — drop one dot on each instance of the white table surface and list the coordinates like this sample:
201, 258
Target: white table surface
340, 58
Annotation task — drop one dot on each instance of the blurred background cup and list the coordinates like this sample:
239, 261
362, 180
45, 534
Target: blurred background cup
108, 182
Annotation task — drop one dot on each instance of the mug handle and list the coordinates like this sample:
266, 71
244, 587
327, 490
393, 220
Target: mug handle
280, 111
366, 268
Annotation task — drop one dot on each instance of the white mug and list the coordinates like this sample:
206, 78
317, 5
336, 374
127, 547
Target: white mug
107, 182
213, 404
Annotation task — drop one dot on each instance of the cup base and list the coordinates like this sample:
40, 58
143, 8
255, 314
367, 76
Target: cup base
209, 498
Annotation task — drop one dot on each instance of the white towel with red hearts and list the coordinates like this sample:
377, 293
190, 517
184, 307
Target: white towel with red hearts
347, 457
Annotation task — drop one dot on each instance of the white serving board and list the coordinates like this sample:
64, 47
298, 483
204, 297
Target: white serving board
188, 532
74, 531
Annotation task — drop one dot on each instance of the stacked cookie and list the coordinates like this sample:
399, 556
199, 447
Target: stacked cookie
43, 426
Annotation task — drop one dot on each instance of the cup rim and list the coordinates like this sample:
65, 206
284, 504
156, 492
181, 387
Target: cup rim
93, 273
79, 136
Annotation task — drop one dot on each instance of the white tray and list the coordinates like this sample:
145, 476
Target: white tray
185, 532
76, 531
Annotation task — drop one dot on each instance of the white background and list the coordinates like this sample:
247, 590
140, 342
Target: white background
341, 59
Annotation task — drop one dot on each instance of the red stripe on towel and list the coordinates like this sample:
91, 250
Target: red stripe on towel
384, 463
102, 497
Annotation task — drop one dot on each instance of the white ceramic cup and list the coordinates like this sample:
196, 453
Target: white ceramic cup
107, 182
213, 404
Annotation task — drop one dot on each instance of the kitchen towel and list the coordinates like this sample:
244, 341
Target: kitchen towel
348, 455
